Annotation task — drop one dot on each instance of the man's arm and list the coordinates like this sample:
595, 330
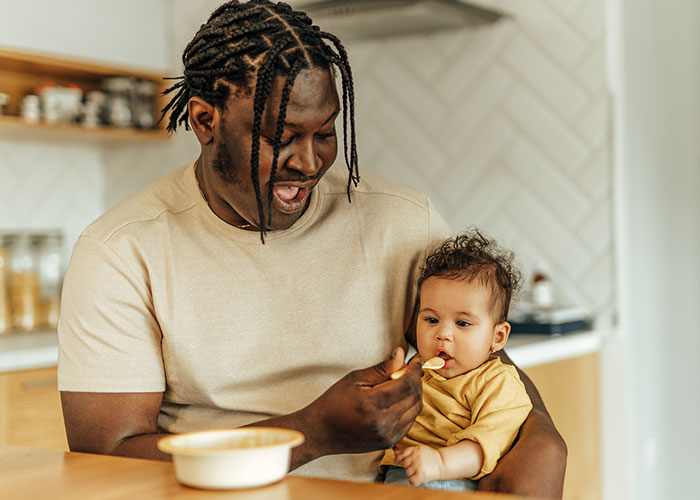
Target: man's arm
364, 411
536, 463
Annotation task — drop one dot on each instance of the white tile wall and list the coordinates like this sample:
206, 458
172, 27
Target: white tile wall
504, 126
50, 185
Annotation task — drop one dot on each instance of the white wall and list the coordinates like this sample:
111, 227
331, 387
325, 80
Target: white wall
506, 127
656, 75
125, 32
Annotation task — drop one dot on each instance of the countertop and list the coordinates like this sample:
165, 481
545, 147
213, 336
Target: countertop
22, 351
36, 473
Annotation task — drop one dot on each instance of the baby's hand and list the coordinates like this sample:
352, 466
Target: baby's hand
422, 464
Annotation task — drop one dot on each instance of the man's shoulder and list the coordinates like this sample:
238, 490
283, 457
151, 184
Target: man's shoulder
373, 185
168, 194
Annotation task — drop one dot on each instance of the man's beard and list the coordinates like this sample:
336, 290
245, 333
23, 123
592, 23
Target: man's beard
223, 166
228, 173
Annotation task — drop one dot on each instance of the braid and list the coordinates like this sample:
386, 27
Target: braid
256, 41
286, 91
262, 91
349, 94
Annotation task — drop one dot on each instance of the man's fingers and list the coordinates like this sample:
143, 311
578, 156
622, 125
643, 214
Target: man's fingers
381, 372
399, 373
395, 362
406, 390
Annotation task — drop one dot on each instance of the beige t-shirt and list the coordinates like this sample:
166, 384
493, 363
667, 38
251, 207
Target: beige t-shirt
162, 295
486, 405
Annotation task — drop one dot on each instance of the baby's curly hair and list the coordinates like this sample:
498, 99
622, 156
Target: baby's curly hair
470, 256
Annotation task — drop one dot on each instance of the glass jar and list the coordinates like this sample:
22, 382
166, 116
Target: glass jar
24, 282
144, 115
119, 92
5, 318
49, 256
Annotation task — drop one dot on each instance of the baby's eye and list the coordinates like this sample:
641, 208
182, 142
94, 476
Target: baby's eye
462, 323
432, 321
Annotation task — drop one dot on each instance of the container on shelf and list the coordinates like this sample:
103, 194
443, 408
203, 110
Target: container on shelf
31, 275
5, 318
120, 97
49, 256
23, 282
31, 109
143, 104
4, 102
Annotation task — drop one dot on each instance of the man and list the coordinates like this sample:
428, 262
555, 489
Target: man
253, 286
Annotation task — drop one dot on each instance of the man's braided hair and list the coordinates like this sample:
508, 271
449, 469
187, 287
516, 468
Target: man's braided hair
257, 41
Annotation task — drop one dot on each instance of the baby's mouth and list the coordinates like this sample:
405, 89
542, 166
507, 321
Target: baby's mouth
443, 355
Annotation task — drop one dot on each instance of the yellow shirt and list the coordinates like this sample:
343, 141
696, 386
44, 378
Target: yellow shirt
486, 405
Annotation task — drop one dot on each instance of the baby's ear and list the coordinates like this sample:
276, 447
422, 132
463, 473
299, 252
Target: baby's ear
500, 336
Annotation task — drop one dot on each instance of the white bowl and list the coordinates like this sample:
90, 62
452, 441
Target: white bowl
231, 458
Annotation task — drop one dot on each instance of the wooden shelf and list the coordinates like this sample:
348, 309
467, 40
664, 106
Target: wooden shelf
21, 73
15, 127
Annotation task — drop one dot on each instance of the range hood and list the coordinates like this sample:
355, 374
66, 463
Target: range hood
361, 19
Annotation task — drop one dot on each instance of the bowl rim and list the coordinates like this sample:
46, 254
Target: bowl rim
294, 438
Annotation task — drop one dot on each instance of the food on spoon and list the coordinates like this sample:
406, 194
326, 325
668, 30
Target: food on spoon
432, 364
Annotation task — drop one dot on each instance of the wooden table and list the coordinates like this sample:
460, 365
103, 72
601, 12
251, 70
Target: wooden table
31, 473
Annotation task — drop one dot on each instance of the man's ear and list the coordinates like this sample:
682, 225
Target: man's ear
204, 118
500, 336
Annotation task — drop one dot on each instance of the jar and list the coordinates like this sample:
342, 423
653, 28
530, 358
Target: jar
24, 282
542, 289
4, 102
119, 90
144, 100
48, 247
31, 109
5, 318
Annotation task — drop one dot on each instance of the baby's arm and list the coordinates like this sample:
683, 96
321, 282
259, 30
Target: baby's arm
424, 464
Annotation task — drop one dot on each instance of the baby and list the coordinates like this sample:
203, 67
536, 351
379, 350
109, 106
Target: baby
474, 405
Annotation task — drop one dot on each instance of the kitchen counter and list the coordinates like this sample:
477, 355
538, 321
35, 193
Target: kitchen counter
22, 351
527, 350
38, 473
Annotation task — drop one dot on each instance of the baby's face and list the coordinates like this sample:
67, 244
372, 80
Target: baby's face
455, 322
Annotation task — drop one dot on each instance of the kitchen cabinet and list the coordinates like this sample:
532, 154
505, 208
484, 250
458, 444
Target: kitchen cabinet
30, 409
21, 73
570, 392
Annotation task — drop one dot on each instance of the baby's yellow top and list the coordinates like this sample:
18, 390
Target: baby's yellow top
487, 405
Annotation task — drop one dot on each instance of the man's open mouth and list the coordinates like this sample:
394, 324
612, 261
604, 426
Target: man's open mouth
289, 199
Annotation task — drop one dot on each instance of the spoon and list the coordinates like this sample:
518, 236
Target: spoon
432, 364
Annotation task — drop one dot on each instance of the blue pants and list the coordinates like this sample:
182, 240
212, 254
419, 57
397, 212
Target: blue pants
397, 475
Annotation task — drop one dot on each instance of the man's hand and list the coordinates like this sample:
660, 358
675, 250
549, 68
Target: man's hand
422, 464
366, 410
535, 465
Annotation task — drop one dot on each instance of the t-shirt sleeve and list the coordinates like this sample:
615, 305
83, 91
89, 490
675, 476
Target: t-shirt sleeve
109, 339
439, 229
498, 411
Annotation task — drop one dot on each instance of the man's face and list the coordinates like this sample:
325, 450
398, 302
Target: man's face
455, 323
308, 147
